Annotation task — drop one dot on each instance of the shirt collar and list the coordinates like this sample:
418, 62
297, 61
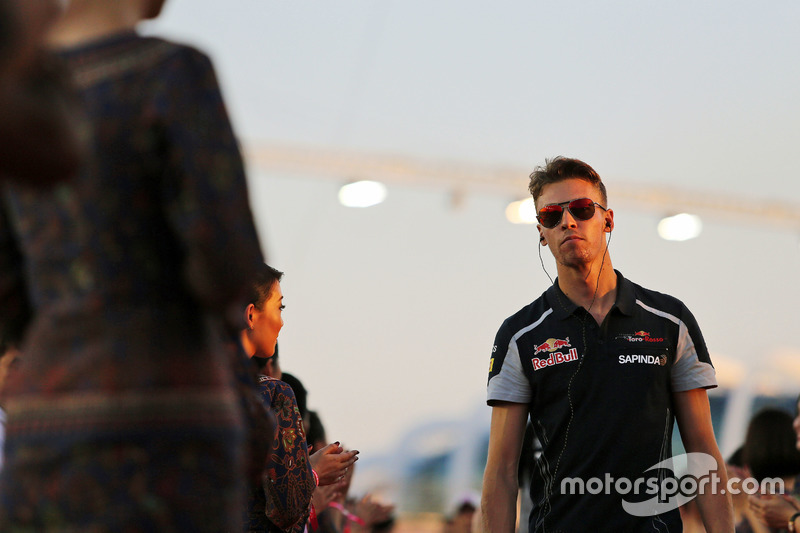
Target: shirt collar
626, 295
563, 307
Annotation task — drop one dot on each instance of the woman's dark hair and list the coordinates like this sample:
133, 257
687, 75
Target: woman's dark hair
300, 393
384, 527
736, 458
7, 29
262, 283
315, 432
770, 445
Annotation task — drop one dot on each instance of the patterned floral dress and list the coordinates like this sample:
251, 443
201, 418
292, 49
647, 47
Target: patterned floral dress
125, 415
280, 503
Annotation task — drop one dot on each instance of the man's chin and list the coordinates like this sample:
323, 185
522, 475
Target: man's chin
574, 260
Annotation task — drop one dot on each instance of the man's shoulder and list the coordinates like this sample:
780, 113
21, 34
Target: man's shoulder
532, 313
651, 299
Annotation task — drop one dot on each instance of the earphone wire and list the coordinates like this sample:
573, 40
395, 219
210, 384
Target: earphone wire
582, 320
602, 264
541, 261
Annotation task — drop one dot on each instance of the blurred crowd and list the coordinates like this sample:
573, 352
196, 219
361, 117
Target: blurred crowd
766, 471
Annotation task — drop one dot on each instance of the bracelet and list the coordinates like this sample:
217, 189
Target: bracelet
347, 514
316, 477
791, 522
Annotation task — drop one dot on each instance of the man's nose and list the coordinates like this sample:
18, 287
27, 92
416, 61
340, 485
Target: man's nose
567, 220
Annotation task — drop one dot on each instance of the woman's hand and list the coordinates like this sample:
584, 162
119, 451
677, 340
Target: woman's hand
323, 495
372, 511
331, 463
774, 510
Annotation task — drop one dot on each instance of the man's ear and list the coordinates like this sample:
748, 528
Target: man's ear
609, 221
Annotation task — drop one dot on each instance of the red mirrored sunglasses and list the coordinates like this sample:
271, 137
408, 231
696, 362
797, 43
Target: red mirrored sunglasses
582, 209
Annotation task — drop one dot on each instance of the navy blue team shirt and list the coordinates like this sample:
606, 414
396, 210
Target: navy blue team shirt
599, 397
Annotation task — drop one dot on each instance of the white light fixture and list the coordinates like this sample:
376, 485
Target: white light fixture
363, 193
681, 227
521, 212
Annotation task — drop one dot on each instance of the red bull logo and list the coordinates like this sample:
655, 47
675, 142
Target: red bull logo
641, 333
544, 347
551, 345
555, 358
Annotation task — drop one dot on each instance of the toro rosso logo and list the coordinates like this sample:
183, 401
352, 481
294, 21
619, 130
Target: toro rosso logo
556, 358
640, 336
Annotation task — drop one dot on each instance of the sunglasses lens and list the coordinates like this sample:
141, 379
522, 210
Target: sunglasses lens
582, 209
550, 215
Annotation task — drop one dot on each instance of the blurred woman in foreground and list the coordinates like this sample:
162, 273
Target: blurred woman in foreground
124, 415
40, 123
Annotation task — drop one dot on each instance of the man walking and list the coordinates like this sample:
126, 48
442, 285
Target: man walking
603, 367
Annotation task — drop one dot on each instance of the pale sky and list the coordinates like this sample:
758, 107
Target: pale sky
392, 310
